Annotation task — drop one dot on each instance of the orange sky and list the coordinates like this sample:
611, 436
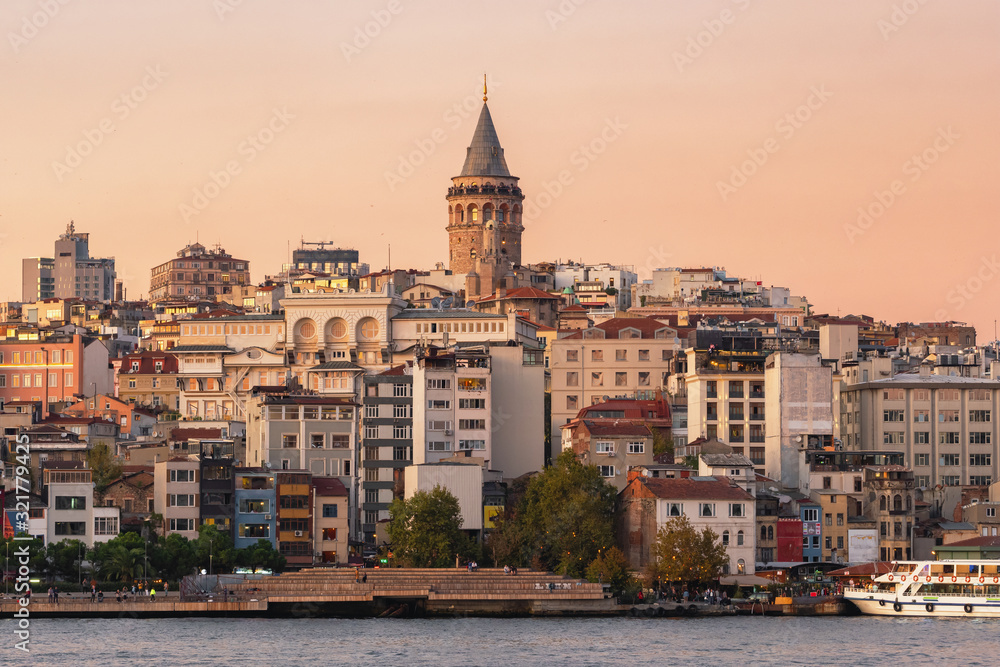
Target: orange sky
819, 108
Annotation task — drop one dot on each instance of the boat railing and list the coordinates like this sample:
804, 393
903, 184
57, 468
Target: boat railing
921, 593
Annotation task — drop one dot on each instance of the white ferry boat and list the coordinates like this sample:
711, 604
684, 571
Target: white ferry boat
933, 588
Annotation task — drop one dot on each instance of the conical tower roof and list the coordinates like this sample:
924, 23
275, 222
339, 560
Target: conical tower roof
485, 155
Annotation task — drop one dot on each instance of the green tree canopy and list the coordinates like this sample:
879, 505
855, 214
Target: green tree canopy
426, 529
682, 554
260, 555
611, 567
565, 517
663, 443
107, 468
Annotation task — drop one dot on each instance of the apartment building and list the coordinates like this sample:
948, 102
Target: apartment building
255, 505
178, 495
71, 273
198, 272
614, 447
387, 427
627, 357
294, 495
708, 502
71, 514
943, 424
149, 379
330, 512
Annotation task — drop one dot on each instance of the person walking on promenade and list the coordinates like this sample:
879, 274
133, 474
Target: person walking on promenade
93, 592
152, 594
357, 575
166, 587
51, 598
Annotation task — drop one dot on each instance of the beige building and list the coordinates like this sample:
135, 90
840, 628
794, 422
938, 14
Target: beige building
613, 447
330, 512
943, 424
177, 495
619, 357
198, 272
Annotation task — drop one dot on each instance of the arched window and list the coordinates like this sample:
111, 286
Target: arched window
909, 503
739, 538
763, 532
897, 503
741, 566
770, 532
881, 503
725, 538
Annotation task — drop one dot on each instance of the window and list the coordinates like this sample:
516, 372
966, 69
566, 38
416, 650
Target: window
643, 378
950, 460
371, 432
255, 506
472, 384
951, 480
71, 502
437, 405
739, 538
636, 448
948, 394
892, 415
948, 415
329, 511
980, 459
606, 471
317, 440
403, 411
438, 446
181, 500
621, 355
105, 525
921, 415
675, 509
572, 355
736, 509
182, 475
892, 437
255, 530
922, 459
979, 437
840, 519
71, 527
711, 390
810, 515
572, 379
403, 390
371, 411
921, 438
289, 440
465, 424
949, 438
621, 379
572, 403
893, 394
736, 389
706, 509
597, 355
402, 432
980, 480
604, 447
725, 538
979, 415
828, 519
438, 425
468, 445
472, 404
597, 379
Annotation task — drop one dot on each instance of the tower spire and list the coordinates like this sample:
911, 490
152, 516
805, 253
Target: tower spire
484, 86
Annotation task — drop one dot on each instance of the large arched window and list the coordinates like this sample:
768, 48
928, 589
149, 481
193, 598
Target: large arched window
763, 532
897, 503
881, 503
725, 538
770, 532
739, 538
741, 567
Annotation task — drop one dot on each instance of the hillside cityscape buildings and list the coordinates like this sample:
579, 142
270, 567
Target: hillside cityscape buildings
296, 409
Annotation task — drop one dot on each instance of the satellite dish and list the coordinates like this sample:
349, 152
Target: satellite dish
784, 499
447, 302
470, 304
436, 302
646, 473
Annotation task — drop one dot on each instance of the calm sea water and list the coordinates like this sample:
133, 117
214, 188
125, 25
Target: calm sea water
477, 641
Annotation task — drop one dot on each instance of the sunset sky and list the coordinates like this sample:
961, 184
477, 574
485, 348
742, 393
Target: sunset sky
739, 133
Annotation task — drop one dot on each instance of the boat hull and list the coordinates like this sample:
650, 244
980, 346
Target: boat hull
888, 605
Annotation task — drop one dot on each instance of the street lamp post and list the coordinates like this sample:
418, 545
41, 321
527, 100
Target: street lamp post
80, 565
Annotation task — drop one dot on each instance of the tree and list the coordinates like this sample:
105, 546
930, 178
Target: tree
173, 557
261, 556
566, 516
106, 467
691, 461
214, 549
682, 554
121, 563
426, 529
663, 443
611, 567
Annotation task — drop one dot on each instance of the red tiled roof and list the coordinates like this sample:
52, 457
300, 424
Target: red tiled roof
395, 370
647, 327
521, 293
329, 486
690, 488
195, 433
990, 541
609, 428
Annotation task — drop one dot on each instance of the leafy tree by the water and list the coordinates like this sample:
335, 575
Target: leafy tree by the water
683, 554
426, 529
611, 567
214, 549
564, 519
260, 556
122, 563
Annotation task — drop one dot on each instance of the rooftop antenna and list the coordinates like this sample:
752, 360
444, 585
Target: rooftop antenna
484, 86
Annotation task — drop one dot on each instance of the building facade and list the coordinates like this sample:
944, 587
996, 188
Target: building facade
198, 273
71, 273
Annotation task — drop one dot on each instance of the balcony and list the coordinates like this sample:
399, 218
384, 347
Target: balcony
756, 416
712, 417
757, 438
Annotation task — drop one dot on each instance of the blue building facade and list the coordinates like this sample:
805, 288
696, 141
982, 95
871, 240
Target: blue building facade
255, 509
812, 536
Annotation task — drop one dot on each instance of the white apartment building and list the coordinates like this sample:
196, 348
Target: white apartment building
452, 401
620, 278
71, 514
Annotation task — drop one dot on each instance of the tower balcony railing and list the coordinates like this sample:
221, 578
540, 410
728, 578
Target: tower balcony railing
484, 190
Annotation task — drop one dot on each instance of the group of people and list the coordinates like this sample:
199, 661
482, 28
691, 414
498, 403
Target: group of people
508, 569
473, 566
